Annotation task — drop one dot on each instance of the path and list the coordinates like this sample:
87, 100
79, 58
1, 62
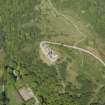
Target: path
76, 48
66, 18
36, 100
95, 94
61, 80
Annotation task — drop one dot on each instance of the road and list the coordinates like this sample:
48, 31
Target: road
77, 48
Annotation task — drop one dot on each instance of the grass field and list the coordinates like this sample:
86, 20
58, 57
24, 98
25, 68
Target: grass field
83, 73
25, 23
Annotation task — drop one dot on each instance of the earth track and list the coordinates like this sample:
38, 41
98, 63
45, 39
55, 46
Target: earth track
76, 48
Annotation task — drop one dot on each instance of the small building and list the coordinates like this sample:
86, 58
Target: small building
26, 93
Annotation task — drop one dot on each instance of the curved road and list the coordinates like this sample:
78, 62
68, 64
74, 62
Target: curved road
76, 48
